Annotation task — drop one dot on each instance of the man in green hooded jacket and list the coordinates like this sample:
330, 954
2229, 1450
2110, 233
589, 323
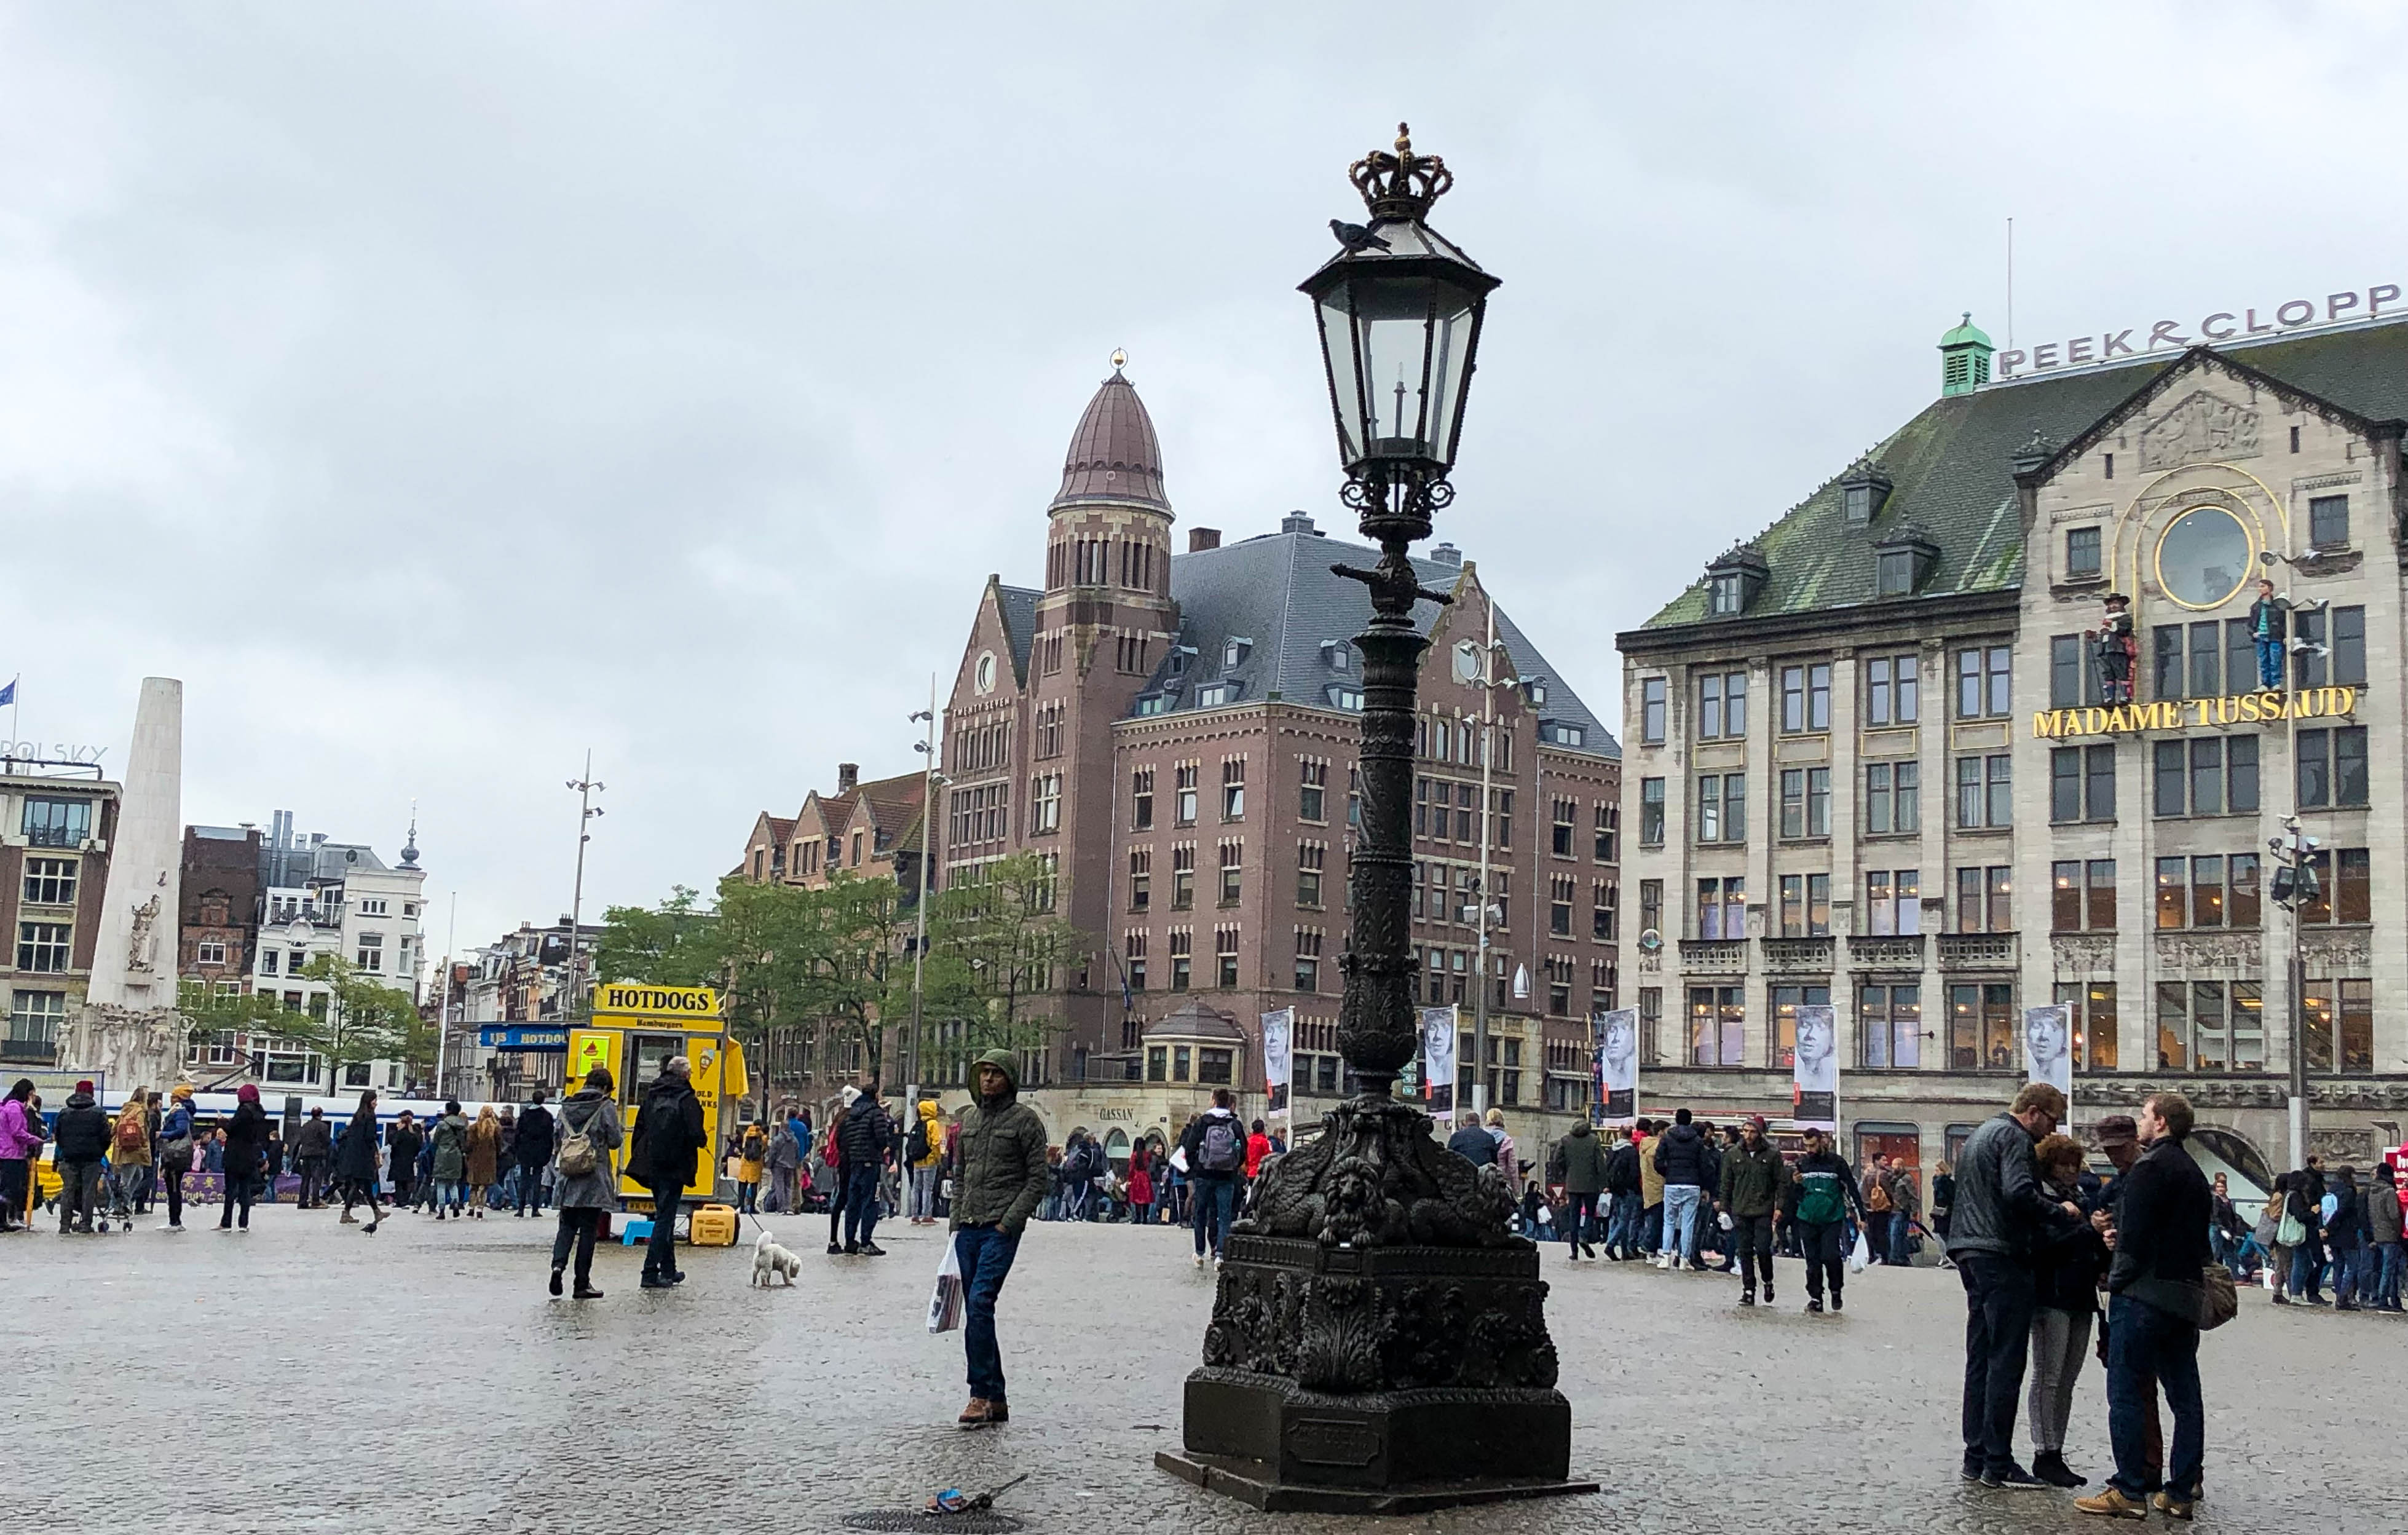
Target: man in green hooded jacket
997, 1185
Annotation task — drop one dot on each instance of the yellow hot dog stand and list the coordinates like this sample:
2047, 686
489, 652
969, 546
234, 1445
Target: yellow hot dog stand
634, 1029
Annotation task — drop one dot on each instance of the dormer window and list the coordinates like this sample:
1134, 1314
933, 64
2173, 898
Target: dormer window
1180, 656
1863, 490
1562, 733
1155, 704
1234, 654
1338, 655
1217, 693
1733, 581
1538, 691
1904, 560
1342, 697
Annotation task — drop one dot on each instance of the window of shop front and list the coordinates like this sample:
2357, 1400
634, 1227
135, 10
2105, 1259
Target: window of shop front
1786, 1000
1892, 797
1805, 905
2332, 768
1889, 1027
1985, 682
1722, 908
2345, 887
2083, 895
1718, 1025
1981, 1025
2351, 1021
1722, 807
1985, 792
1894, 902
1721, 706
2073, 671
1890, 689
2082, 783
1806, 698
2092, 1008
1986, 899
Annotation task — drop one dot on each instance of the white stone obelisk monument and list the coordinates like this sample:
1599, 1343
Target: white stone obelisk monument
128, 1027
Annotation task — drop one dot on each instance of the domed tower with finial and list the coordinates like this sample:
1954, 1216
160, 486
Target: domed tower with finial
409, 844
1108, 542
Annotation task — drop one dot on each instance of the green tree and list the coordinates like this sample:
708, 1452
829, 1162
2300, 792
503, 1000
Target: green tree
360, 1019
997, 950
675, 943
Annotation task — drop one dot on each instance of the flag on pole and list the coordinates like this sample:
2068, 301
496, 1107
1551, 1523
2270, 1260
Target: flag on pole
8, 692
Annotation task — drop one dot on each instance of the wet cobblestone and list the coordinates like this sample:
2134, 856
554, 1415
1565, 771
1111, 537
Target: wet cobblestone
306, 1377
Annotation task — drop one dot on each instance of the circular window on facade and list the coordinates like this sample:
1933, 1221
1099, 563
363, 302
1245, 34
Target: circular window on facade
2203, 557
985, 675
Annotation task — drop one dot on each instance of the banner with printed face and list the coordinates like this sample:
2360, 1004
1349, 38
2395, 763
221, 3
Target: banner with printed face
2048, 1046
1814, 1070
1279, 1056
1437, 1062
1617, 1067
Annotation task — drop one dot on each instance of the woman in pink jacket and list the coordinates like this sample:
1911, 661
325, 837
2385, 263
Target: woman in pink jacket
21, 1143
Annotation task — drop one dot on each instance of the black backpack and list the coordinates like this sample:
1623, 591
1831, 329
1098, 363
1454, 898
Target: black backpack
1622, 1169
915, 1145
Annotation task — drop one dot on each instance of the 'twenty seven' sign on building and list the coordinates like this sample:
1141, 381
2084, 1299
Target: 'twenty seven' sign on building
1996, 718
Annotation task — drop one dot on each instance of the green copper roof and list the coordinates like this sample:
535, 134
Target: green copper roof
1953, 471
1966, 331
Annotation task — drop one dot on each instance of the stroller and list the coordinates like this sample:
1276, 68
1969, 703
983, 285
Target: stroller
121, 1190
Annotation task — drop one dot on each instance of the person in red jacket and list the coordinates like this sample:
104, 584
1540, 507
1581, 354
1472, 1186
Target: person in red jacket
1258, 1146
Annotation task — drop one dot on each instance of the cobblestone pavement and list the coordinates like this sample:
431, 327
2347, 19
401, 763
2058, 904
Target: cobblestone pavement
308, 1377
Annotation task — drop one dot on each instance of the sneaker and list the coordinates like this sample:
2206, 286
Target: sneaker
1838, 1304
2174, 1508
586, 1292
1199, 1260
852, 1249
1813, 1307
2112, 1504
2050, 1467
1747, 1297
1970, 1468
2014, 1477
654, 1282
869, 1250
835, 1249
1767, 1292
555, 1282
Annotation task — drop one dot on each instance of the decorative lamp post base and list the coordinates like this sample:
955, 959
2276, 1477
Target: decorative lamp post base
1379, 1337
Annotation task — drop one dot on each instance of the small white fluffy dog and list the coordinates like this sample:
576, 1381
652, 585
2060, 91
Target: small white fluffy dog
769, 1258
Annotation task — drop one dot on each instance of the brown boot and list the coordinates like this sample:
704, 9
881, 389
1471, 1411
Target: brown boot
975, 1415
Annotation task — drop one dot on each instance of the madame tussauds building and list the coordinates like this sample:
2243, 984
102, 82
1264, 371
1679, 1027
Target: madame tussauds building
2001, 717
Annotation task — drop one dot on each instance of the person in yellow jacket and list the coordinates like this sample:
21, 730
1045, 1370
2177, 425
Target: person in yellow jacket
924, 1149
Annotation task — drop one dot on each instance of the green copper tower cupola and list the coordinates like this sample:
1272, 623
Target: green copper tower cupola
1964, 358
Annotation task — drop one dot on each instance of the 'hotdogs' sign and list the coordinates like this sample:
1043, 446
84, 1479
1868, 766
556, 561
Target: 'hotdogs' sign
2264, 708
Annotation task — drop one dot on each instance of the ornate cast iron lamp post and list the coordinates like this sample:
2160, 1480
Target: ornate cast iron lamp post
1379, 1340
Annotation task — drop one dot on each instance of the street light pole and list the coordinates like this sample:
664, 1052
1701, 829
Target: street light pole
586, 788
1331, 1379
928, 748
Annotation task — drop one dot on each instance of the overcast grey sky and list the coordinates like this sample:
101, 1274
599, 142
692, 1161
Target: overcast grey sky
440, 390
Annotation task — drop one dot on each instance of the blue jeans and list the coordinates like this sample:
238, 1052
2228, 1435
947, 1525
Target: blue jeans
2350, 1283
1212, 1197
1622, 1223
2270, 663
985, 1255
530, 1189
2391, 1260
1680, 1221
2146, 1344
860, 1204
660, 1254
1901, 1238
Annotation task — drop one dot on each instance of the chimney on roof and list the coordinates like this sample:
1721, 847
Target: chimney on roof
1201, 539
1296, 521
1446, 554
848, 777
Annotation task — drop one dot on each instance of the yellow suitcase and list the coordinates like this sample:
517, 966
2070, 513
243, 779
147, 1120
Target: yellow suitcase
713, 1226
